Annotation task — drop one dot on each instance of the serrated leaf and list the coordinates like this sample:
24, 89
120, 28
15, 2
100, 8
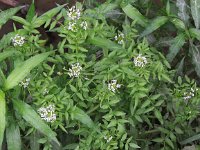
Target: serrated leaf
7, 14
154, 25
134, 14
20, 72
28, 114
195, 9
13, 137
2, 116
175, 47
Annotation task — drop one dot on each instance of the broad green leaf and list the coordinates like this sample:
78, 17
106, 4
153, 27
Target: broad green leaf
6, 54
46, 16
28, 114
134, 14
195, 33
101, 42
81, 116
195, 58
20, 72
191, 139
13, 137
175, 47
169, 142
154, 25
2, 116
31, 12
133, 145
178, 23
195, 9
182, 10
7, 14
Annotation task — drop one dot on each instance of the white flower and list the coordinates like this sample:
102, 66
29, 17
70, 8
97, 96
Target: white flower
25, 83
108, 139
18, 40
84, 25
45, 91
113, 86
72, 26
119, 38
74, 13
140, 61
188, 95
47, 113
75, 70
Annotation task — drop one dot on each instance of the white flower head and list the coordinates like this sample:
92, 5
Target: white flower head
72, 26
113, 86
47, 113
119, 38
45, 91
18, 40
84, 25
140, 61
75, 70
74, 13
25, 83
189, 94
108, 139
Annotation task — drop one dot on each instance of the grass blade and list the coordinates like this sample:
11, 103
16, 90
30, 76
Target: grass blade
2, 116
154, 25
20, 72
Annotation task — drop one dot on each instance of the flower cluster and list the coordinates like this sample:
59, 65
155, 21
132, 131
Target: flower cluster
108, 139
72, 26
74, 13
119, 38
113, 86
45, 91
18, 40
75, 70
188, 95
47, 113
84, 25
25, 83
140, 61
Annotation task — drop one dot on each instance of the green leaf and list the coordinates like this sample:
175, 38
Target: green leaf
7, 14
182, 10
178, 23
191, 139
158, 116
31, 12
20, 72
101, 42
46, 16
169, 142
158, 140
2, 116
6, 54
81, 116
168, 8
175, 47
134, 14
13, 137
195, 33
195, 58
195, 9
154, 25
34, 119
133, 145
6, 40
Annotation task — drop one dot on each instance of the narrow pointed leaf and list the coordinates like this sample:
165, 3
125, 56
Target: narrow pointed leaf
13, 137
2, 116
195, 33
182, 10
191, 139
154, 25
195, 9
7, 14
6, 54
134, 14
34, 119
20, 72
31, 12
175, 47
195, 58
